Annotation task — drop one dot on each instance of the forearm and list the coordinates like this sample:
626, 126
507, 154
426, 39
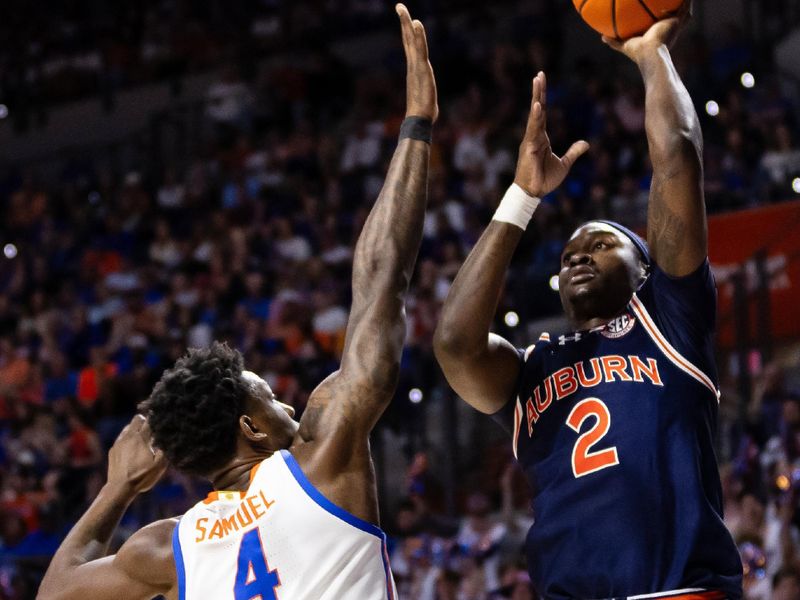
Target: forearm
470, 307
382, 267
89, 538
388, 245
673, 128
676, 220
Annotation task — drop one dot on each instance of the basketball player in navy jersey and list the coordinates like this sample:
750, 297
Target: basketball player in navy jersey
613, 421
295, 511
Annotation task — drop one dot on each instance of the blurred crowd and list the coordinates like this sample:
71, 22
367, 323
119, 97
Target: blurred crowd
108, 276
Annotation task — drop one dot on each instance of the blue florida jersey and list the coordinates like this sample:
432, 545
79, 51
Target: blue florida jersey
614, 428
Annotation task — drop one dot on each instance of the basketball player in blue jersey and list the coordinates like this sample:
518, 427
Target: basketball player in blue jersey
613, 421
295, 511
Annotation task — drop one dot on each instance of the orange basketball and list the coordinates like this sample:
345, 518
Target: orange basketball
622, 19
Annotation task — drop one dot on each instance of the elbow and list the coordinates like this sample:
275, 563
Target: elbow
381, 271
450, 341
682, 148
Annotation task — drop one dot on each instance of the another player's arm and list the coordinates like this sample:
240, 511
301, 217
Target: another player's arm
676, 217
482, 367
346, 406
143, 567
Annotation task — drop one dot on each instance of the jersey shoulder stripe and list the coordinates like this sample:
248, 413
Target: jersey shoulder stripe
517, 424
669, 351
685, 594
177, 554
329, 506
342, 514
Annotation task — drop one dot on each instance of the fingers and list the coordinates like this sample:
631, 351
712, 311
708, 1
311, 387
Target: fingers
575, 151
536, 117
539, 90
542, 89
406, 29
612, 42
420, 40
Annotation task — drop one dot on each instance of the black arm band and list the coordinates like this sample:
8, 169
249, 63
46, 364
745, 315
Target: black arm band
416, 128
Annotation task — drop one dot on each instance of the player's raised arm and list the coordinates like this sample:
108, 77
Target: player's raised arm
676, 217
143, 567
351, 400
480, 366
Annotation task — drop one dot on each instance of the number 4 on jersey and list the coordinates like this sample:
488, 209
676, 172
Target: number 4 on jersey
583, 461
254, 580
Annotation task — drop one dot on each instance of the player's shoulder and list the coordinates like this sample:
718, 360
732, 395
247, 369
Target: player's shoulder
698, 282
689, 297
527, 352
148, 555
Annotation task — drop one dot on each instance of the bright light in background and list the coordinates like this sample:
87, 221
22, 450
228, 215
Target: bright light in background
3, 111
512, 319
554, 283
10, 250
796, 185
748, 80
415, 395
712, 108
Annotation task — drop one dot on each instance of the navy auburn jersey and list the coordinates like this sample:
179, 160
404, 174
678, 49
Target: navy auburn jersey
614, 428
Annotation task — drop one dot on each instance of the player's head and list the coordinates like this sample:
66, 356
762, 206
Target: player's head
602, 265
207, 410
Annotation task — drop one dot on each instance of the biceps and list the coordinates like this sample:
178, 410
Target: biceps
488, 380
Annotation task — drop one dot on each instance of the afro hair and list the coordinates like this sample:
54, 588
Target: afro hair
194, 409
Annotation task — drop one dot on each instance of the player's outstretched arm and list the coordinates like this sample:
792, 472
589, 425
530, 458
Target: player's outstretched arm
351, 400
143, 567
676, 217
480, 366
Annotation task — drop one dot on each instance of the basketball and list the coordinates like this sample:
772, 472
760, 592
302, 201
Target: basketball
622, 19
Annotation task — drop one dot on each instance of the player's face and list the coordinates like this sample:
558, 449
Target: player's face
600, 267
271, 416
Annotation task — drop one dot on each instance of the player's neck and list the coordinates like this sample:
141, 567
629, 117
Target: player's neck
586, 325
235, 476
586, 318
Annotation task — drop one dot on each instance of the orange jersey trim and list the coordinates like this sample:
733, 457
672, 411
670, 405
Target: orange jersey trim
699, 596
221, 494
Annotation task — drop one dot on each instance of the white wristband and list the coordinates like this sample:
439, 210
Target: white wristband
516, 207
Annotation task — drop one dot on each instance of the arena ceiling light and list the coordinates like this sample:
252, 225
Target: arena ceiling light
748, 80
415, 395
712, 108
511, 319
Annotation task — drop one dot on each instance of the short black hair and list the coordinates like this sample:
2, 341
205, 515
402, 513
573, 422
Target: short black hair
194, 408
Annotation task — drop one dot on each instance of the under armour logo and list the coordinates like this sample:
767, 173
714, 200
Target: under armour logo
563, 339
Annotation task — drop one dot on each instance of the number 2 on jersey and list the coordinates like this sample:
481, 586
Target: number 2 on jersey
254, 580
583, 461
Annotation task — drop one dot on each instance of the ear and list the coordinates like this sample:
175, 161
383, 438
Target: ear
644, 269
250, 430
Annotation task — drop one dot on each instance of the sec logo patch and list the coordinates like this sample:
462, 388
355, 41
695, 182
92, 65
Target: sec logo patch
619, 326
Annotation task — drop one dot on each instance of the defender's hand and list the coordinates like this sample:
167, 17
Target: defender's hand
661, 33
421, 100
539, 170
133, 463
